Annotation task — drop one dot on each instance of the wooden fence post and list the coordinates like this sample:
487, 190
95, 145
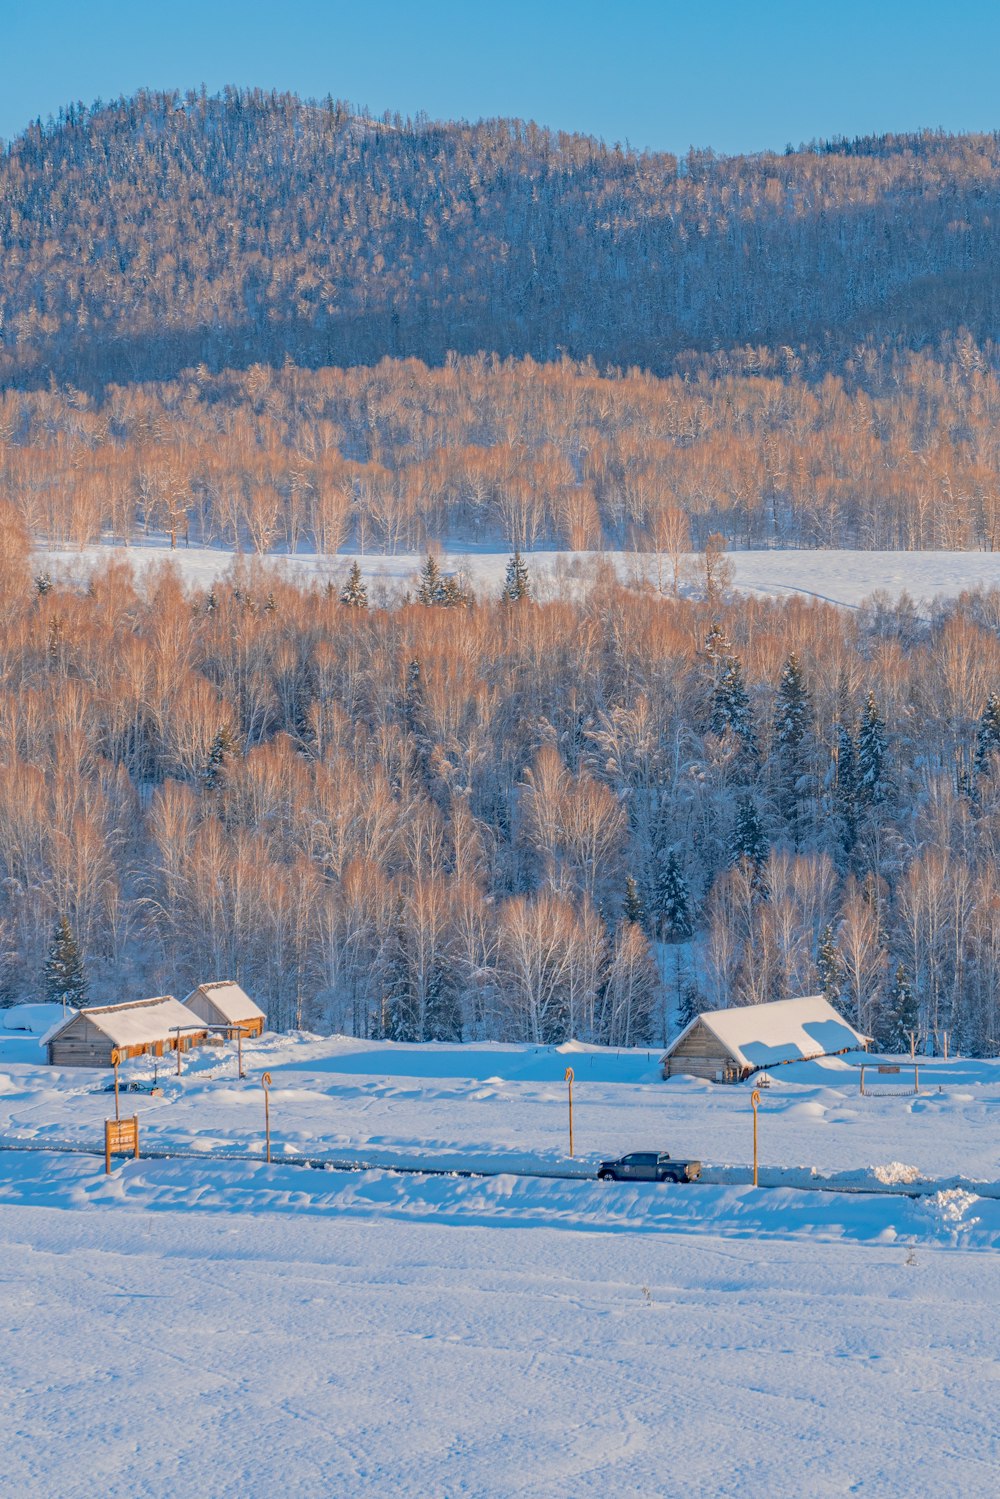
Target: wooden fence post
755, 1100
265, 1083
569, 1081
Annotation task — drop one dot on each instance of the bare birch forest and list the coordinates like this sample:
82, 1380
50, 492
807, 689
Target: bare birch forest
502, 819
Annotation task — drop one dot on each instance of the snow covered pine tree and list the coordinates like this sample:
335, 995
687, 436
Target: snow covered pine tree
354, 592
517, 584
65, 980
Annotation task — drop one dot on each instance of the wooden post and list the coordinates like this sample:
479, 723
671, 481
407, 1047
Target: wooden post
116, 1058
265, 1083
569, 1081
944, 1037
755, 1100
916, 1079
862, 1084
239, 1051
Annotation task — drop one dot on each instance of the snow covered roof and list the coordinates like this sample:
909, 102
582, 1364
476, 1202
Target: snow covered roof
783, 1031
35, 1019
139, 1023
232, 1003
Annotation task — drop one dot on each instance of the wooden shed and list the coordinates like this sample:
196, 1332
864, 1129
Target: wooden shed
729, 1045
148, 1027
225, 1003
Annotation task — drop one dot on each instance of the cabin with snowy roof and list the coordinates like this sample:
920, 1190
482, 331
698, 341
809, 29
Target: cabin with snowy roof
225, 1004
727, 1046
145, 1027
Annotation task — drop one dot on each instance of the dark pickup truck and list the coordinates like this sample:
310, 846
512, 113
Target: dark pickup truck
648, 1166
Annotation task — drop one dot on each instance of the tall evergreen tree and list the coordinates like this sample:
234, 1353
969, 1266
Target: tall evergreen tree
222, 750
988, 739
829, 966
731, 705
793, 716
415, 719
749, 839
871, 754
845, 787
443, 1010
517, 584
429, 587
691, 1005
65, 979
632, 908
793, 735
399, 1019
899, 1015
414, 707
451, 594
673, 900
354, 593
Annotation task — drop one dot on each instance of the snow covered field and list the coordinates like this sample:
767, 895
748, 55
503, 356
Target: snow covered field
842, 577
275, 1340
209, 1326
496, 1107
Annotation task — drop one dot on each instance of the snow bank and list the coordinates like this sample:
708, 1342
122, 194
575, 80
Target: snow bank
37, 1020
946, 1217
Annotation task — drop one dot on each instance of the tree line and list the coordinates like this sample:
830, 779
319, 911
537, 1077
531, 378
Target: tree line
501, 817
900, 450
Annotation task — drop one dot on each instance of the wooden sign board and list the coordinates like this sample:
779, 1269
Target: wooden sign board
887, 1068
121, 1137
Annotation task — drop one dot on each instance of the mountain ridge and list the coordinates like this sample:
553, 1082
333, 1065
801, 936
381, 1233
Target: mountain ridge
161, 232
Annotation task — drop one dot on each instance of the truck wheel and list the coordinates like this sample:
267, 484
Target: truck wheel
606, 1176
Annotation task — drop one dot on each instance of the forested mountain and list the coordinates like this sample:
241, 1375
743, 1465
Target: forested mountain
269, 324
152, 234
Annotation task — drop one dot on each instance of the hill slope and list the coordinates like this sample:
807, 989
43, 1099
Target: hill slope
155, 233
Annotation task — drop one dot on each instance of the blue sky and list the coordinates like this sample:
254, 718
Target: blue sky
660, 74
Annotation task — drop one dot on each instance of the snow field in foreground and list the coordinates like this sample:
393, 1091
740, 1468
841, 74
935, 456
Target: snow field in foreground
235, 1353
203, 1327
841, 577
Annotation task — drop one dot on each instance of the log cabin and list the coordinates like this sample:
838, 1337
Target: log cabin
224, 1003
729, 1045
147, 1027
